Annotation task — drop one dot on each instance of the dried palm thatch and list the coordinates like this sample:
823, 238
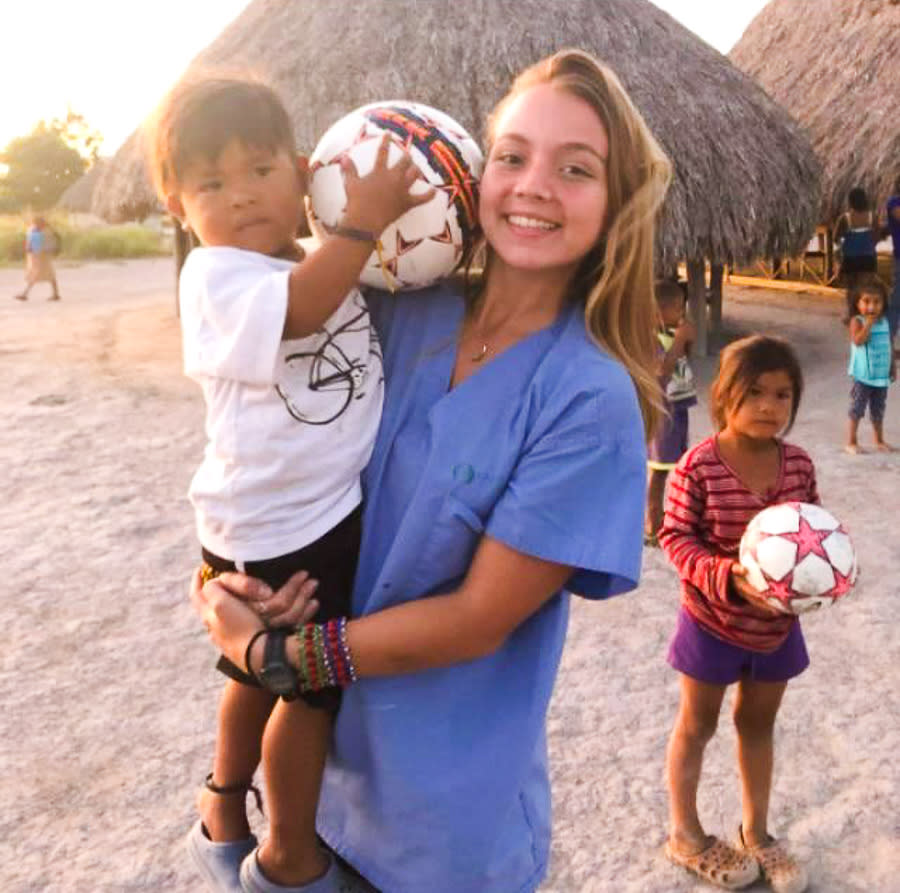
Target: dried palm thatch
746, 181
835, 66
79, 196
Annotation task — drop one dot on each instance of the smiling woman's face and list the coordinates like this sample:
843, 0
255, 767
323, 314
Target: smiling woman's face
544, 190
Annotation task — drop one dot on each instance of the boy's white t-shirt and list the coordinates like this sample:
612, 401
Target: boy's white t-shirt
290, 424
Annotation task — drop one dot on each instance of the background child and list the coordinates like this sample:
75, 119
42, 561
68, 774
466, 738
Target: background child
260, 322
871, 360
41, 243
726, 633
675, 336
856, 235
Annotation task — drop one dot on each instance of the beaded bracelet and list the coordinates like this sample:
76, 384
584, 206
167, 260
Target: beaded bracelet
324, 659
363, 235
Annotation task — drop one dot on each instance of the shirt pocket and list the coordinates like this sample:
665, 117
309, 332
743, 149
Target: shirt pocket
449, 546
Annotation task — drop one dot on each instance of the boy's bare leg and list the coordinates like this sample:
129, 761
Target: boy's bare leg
295, 745
755, 709
243, 714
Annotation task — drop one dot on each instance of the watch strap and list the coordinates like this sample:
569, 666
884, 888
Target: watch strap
275, 663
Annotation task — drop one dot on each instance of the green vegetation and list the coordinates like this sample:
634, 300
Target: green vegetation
39, 166
95, 242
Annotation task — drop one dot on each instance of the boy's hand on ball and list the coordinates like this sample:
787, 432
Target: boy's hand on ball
383, 195
742, 587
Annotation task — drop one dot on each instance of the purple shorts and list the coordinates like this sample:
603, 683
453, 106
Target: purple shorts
700, 655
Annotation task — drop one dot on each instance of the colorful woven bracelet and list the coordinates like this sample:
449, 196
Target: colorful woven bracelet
324, 656
346, 654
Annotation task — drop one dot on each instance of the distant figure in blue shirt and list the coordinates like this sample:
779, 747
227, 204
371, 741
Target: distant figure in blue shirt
41, 243
509, 469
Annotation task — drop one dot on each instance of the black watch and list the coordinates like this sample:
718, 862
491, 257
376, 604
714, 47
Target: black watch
277, 675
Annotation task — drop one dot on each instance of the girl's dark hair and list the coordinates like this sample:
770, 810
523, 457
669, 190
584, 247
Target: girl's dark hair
742, 363
857, 199
868, 284
200, 116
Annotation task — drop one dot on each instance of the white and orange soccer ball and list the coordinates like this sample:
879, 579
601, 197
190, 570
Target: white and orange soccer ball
428, 242
799, 556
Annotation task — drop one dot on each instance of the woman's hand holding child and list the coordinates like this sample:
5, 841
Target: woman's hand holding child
234, 606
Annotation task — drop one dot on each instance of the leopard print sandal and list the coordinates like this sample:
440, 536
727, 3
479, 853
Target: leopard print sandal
781, 870
719, 863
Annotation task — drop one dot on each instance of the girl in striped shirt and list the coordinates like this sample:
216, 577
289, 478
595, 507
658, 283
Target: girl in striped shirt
726, 633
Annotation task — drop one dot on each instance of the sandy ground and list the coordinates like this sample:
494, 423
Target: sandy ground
108, 696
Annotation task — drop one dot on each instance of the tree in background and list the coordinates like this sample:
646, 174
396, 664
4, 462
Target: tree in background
42, 164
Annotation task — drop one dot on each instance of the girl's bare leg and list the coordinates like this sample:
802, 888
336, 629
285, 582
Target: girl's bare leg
295, 745
698, 714
878, 428
754, 718
852, 442
243, 714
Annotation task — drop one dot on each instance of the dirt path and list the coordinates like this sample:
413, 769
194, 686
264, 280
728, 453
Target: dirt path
108, 698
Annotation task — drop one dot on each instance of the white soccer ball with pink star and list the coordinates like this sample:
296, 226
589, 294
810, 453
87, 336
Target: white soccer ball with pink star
799, 556
429, 241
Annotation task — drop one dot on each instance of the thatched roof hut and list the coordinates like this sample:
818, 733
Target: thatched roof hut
835, 66
79, 196
746, 182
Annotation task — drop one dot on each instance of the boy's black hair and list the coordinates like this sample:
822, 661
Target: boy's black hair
870, 284
741, 363
667, 290
199, 117
857, 199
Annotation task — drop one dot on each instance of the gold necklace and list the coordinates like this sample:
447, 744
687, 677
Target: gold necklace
481, 354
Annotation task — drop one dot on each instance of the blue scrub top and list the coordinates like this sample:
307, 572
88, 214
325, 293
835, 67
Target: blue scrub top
438, 780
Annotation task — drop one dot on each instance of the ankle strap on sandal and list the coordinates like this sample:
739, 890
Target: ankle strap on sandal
242, 787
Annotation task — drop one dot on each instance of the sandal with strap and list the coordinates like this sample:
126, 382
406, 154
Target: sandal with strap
220, 861
781, 870
719, 863
333, 881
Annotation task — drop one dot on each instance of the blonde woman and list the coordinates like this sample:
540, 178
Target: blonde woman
509, 468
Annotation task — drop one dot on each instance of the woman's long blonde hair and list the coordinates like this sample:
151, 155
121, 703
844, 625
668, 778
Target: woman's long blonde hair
616, 278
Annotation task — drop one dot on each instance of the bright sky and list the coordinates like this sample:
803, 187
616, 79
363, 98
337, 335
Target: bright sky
111, 61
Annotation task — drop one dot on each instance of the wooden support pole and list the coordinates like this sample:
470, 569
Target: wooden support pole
182, 247
716, 274
696, 272
184, 242
829, 255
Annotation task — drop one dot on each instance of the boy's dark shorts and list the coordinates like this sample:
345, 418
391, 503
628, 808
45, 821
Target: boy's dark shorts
863, 395
331, 560
671, 441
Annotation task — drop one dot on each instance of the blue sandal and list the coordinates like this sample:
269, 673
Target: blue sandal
220, 862
254, 881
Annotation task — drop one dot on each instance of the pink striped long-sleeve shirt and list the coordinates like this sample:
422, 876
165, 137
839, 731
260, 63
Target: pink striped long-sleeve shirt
708, 508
